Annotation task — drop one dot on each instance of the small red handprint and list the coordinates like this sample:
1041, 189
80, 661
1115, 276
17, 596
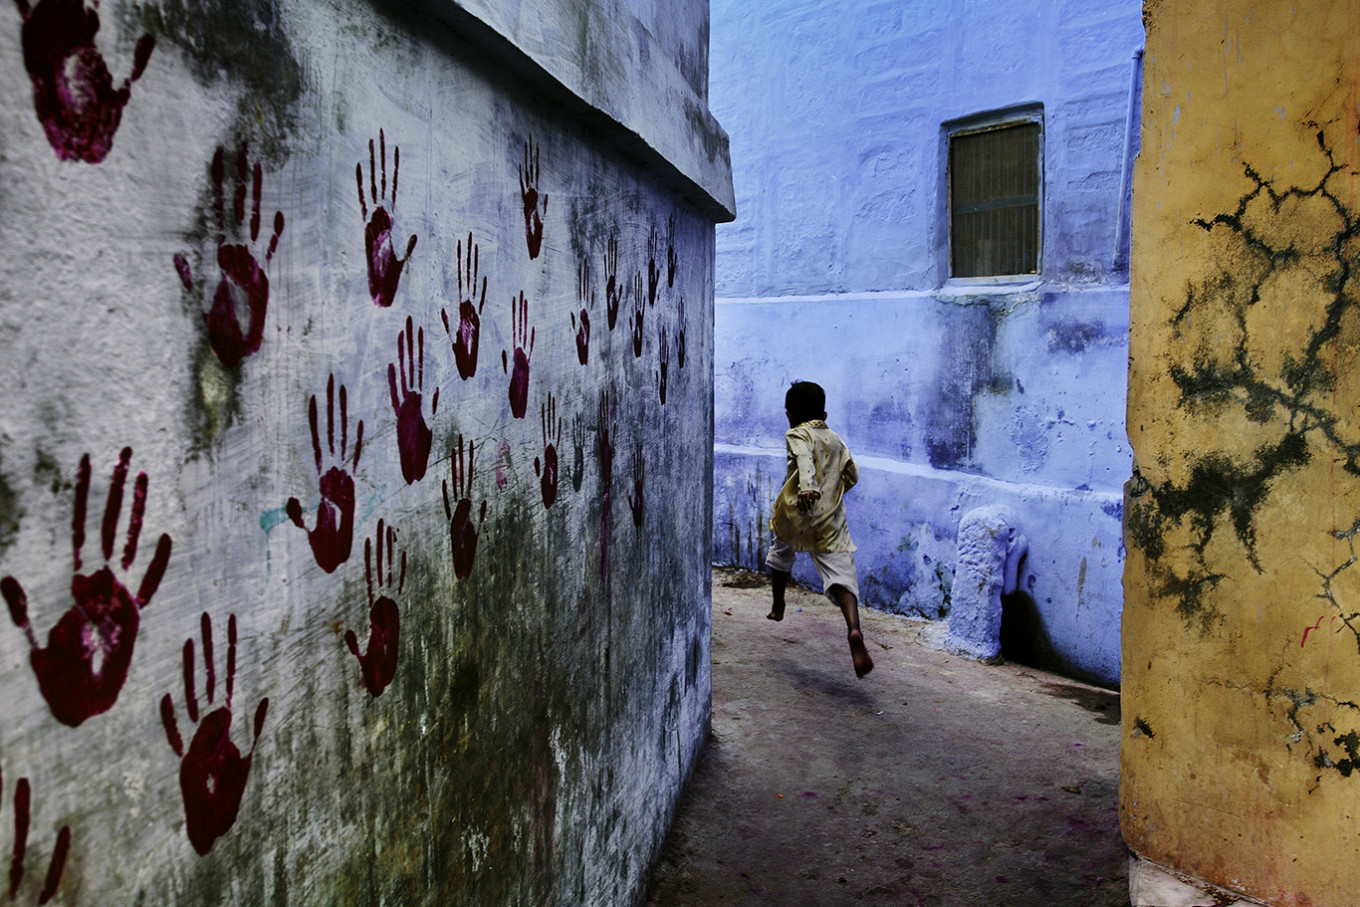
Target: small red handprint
82, 670
462, 532
334, 531
465, 338
528, 191
680, 335
664, 364
212, 773
635, 501
586, 300
613, 289
243, 290
378, 661
384, 267
546, 470
73, 90
413, 434
653, 269
671, 261
578, 453
523, 337
55, 866
635, 320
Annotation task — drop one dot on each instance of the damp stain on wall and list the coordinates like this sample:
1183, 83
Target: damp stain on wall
1284, 382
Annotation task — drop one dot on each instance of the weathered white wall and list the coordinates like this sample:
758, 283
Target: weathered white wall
950, 396
547, 695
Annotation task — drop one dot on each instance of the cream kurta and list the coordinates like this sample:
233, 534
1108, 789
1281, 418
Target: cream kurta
818, 460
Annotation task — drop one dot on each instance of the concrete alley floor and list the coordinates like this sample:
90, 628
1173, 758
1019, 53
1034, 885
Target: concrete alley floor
934, 781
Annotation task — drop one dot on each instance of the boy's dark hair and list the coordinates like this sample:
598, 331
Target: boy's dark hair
804, 401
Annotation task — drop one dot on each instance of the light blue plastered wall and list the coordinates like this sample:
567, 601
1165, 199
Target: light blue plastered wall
950, 395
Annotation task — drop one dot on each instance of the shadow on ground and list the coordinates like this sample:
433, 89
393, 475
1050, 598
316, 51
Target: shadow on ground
936, 781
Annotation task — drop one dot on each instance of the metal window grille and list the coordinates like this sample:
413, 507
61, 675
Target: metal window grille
994, 201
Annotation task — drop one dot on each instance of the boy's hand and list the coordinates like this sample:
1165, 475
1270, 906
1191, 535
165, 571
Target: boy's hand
806, 499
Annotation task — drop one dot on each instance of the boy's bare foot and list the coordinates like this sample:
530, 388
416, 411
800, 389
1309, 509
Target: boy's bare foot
863, 663
776, 612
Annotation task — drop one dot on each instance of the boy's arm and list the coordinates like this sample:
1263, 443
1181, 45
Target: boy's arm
849, 475
800, 450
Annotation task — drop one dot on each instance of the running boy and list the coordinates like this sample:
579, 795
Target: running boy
809, 514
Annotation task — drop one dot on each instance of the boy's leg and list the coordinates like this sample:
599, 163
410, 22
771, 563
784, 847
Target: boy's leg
849, 605
841, 582
780, 562
779, 581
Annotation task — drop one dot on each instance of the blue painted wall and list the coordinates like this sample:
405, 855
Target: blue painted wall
951, 395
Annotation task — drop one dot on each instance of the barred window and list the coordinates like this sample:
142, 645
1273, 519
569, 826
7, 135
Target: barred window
994, 200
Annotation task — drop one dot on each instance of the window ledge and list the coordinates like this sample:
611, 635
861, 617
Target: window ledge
989, 286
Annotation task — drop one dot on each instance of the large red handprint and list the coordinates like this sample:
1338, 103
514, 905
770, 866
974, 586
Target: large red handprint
82, 670
378, 661
212, 773
528, 192
465, 338
462, 532
334, 531
243, 290
523, 338
384, 267
546, 469
413, 434
635, 499
613, 289
586, 300
55, 866
73, 90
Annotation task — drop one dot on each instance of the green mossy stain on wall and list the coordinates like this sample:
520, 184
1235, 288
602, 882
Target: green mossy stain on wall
241, 41
1297, 401
11, 510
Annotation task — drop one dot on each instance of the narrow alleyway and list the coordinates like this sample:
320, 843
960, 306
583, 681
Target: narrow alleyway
935, 781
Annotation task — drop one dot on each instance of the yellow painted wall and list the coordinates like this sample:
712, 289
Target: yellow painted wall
1241, 628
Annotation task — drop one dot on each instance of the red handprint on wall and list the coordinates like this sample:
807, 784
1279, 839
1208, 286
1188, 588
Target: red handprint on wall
653, 269
462, 532
465, 338
528, 191
384, 267
671, 261
73, 91
243, 290
378, 661
413, 434
613, 289
586, 300
212, 773
635, 320
334, 531
81, 671
546, 469
680, 335
578, 453
523, 338
635, 500
605, 439
664, 363
55, 866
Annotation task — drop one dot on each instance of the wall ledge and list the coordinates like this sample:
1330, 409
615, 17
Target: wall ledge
599, 62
